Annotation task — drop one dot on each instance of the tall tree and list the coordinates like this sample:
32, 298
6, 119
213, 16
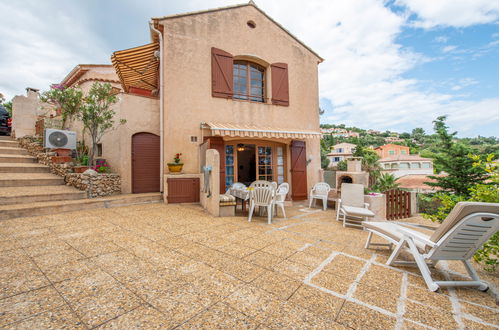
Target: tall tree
453, 158
97, 115
69, 100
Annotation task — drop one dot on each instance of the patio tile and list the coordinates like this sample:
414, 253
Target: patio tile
236, 250
174, 242
49, 260
344, 266
22, 282
290, 316
382, 278
469, 324
59, 318
282, 249
476, 296
429, 298
306, 259
19, 307
256, 242
264, 259
317, 301
281, 286
489, 315
380, 298
104, 305
143, 317
333, 282
8, 244
293, 269
176, 312
317, 251
220, 316
241, 269
360, 317
86, 285
437, 318
93, 247
256, 303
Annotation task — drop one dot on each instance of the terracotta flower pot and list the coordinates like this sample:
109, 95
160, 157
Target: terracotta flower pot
62, 151
80, 169
175, 167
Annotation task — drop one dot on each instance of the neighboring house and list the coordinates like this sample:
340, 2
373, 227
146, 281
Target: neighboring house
388, 150
339, 132
373, 132
339, 152
230, 79
392, 139
402, 165
417, 183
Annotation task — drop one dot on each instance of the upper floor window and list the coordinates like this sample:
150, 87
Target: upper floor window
403, 152
391, 152
249, 81
339, 150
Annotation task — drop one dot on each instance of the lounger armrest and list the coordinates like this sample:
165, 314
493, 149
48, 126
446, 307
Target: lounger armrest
416, 236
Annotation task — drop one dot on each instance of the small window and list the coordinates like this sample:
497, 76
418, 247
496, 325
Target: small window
194, 139
391, 152
249, 81
426, 165
415, 165
404, 165
403, 152
99, 150
336, 159
339, 150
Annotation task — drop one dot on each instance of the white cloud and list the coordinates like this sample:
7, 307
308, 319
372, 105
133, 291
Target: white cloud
40, 46
441, 39
448, 49
465, 82
455, 13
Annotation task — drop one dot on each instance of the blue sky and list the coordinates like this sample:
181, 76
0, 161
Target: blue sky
394, 64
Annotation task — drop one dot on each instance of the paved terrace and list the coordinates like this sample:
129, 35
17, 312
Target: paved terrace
164, 266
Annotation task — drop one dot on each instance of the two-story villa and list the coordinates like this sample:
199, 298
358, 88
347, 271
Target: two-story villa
230, 79
340, 152
389, 150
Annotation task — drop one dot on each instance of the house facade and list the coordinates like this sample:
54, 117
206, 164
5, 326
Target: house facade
340, 152
403, 165
230, 79
390, 149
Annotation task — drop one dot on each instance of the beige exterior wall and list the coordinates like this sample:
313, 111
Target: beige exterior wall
187, 81
141, 114
25, 112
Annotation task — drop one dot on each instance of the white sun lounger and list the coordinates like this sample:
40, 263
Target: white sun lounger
461, 234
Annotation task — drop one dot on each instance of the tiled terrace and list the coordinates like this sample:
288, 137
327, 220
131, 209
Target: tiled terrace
164, 266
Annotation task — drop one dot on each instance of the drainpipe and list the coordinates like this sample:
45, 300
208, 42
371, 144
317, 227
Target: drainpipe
161, 108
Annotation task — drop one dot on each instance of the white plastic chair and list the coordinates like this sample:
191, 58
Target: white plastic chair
319, 191
352, 204
467, 227
262, 194
281, 193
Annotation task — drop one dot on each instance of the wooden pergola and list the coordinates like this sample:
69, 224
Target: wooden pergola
138, 69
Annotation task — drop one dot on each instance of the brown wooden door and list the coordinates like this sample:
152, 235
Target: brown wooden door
145, 163
183, 190
298, 170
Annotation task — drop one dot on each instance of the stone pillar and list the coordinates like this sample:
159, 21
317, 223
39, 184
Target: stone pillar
212, 203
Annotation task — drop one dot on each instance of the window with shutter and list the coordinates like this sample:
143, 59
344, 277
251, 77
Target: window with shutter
280, 84
221, 73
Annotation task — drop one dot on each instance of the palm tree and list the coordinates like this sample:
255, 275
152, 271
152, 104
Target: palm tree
386, 181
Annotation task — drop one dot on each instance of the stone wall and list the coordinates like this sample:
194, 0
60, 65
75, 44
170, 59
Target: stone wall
96, 185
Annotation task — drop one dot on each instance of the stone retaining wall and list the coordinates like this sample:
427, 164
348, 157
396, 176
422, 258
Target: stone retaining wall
96, 185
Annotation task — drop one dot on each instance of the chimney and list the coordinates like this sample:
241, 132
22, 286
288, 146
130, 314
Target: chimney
354, 164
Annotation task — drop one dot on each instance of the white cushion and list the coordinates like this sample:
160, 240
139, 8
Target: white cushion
360, 211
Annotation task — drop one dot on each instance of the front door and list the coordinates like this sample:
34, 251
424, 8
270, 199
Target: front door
145, 163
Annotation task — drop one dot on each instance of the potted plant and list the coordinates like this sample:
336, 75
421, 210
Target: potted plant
82, 164
176, 166
101, 166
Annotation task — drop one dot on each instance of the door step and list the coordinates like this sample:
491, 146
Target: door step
24, 195
6, 143
29, 179
23, 168
45, 208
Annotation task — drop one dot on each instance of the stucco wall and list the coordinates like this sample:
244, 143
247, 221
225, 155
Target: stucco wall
25, 112
187, 80
141, 114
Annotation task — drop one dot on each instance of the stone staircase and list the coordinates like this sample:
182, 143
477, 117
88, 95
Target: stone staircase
27, 188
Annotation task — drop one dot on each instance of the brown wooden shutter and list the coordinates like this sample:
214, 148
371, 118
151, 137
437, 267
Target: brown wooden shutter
221, 73
217, 143
298, 170
280, 84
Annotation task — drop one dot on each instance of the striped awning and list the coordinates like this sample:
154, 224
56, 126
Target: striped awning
137, 67
237, 130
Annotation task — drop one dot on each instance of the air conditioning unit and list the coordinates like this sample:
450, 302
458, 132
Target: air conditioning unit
56, 138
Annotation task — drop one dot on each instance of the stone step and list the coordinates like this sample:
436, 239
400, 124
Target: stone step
13, 151
44, 208
24, 195
23, 168
7, 143
16, 159
29, 179
6, 138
